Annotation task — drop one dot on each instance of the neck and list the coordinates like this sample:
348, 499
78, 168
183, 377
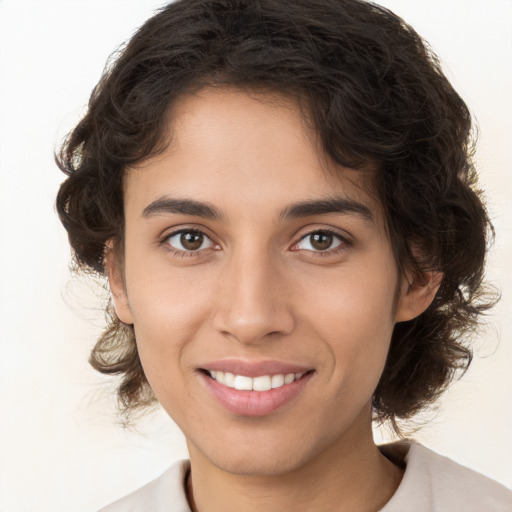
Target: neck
351, 475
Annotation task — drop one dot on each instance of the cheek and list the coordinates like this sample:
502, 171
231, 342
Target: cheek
161, 296
353, 301
353, 316
168, 309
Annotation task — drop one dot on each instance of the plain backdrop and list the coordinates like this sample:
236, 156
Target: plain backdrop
61, 449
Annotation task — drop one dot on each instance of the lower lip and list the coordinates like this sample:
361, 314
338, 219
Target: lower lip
255, 403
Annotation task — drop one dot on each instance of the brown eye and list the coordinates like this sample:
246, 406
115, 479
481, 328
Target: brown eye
191, 240
320, 241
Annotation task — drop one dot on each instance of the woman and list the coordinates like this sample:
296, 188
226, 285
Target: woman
281, 195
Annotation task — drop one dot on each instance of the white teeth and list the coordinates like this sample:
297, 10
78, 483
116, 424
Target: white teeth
229, 380
261, 383
289, 378
277, 381
243, 383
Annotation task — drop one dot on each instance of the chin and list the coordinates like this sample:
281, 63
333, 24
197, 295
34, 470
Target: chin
261, 464
262, 457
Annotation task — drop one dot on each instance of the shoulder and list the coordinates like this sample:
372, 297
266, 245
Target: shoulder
434, 483
158, 495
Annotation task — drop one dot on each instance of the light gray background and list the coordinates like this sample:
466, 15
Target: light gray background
60, 449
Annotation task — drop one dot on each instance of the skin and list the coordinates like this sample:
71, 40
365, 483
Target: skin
258, 289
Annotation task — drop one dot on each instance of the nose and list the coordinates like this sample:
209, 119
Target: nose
253, 303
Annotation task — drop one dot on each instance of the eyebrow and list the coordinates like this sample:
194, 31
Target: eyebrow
340, 205
325, 206
184, 206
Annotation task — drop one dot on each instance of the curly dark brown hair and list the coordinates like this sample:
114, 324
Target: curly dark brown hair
375, 93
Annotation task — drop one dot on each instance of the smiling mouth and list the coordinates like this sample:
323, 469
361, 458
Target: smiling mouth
256, 389
260, 383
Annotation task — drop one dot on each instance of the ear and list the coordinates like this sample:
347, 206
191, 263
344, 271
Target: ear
117, 284
417, 293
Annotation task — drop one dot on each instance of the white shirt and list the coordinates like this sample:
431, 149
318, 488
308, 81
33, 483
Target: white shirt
431, 483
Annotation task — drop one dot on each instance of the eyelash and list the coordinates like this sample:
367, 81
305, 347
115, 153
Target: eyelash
183, 253
343, 245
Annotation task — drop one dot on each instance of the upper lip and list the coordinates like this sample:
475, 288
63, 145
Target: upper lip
254, 368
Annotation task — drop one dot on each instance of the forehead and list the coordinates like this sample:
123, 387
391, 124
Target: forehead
244, 150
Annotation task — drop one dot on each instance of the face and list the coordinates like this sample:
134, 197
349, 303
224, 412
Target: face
262, 289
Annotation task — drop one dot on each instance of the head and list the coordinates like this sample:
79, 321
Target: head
378, 123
